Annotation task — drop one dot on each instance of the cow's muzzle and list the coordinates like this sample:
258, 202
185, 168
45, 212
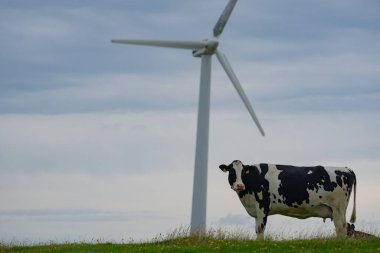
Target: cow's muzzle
238, 187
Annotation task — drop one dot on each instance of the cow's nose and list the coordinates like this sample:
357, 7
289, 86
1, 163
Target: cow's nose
240, 187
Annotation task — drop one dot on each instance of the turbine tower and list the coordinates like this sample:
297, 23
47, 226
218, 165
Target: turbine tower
205, 50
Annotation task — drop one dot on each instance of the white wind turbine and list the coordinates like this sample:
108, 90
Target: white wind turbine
204, 49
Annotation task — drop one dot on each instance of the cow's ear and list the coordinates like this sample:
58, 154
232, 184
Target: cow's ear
224, 168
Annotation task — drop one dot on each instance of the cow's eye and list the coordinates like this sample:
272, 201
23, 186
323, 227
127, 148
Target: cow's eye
247, 171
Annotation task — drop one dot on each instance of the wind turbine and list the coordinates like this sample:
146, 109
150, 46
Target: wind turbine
205, 50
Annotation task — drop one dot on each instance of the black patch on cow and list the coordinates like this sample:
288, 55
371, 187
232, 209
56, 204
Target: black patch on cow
255, 183
232, 177
295, 181
339, 180
344, 178
265, 220
347, 179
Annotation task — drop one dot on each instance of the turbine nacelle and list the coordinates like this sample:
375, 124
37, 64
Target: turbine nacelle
208, 49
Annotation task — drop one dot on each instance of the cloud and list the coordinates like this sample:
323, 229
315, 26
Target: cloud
76, 61
76, 206
92, 142
301, 20
105, 92
46, 215
161, 140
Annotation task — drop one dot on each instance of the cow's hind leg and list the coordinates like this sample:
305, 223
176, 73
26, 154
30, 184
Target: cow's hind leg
339, 218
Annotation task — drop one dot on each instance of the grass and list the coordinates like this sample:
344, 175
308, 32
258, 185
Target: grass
214, 241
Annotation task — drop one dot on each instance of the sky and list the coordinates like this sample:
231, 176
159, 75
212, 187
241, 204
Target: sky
97, 140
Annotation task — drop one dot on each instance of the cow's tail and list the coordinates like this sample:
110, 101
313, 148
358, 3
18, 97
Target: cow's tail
353, 215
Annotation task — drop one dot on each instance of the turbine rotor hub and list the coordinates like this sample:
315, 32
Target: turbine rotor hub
209, 49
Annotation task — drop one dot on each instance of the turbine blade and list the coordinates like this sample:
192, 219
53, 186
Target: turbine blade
227, 67
219, 26
163, 43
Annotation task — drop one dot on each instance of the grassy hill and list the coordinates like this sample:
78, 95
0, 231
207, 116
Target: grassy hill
210, 244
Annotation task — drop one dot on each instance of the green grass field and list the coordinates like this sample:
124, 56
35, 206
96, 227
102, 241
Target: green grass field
210, 244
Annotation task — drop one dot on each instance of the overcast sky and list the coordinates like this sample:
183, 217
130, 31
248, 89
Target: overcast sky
97, 140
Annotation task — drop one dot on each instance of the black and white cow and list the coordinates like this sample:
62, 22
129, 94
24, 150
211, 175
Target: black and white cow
300, 192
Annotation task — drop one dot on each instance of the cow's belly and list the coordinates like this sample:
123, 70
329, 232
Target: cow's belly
303, 212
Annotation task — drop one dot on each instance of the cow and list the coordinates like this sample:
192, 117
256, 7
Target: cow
299, 192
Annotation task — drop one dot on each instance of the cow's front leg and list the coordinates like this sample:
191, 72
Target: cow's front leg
260, 227
261, 222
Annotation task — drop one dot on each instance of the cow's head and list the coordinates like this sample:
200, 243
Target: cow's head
235, 171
